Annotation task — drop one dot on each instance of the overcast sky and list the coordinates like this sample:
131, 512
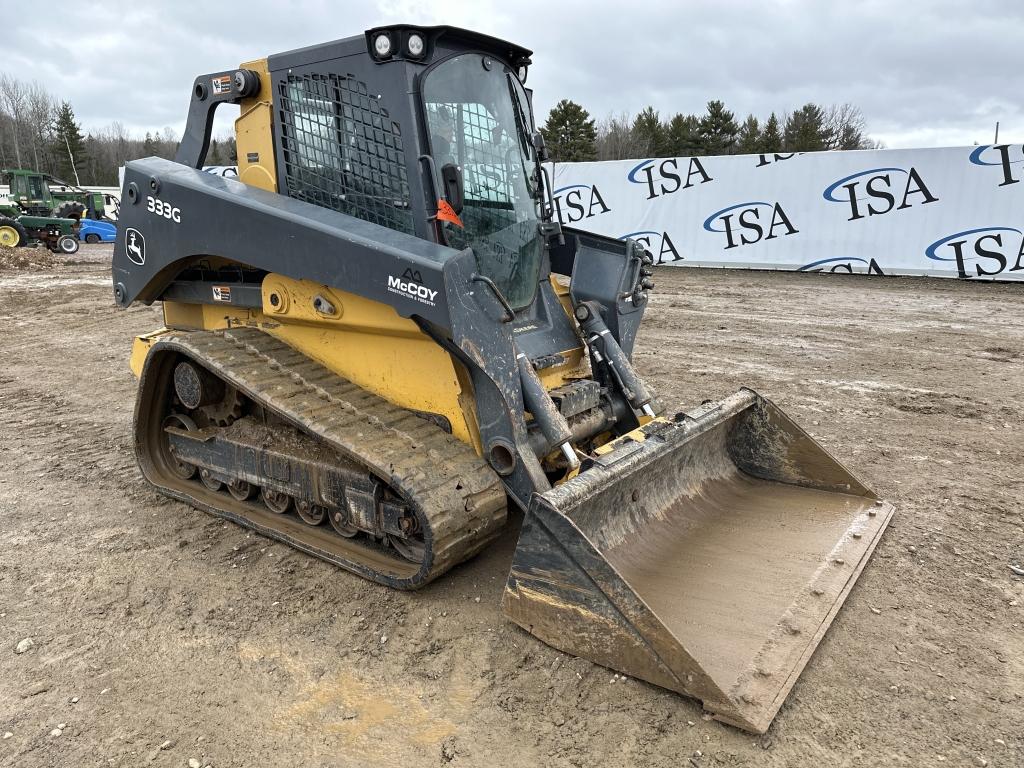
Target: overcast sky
924, 74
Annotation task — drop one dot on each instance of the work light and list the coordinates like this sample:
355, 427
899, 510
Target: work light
382, 45
415, 45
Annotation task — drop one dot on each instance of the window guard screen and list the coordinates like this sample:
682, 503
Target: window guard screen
342, 151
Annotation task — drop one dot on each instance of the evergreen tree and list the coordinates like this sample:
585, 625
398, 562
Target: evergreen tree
68, 142
213, 154
718, 129
849, 138
748, 141
683, 136
148, 146
569, 133
771, 136
806, 130
651, 134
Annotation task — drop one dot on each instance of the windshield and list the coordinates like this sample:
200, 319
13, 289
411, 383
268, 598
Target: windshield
477, 117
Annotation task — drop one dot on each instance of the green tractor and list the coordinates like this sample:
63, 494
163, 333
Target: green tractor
17, 229
29, 215
32, 192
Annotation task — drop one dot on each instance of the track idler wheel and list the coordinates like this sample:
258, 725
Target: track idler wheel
182, 469
276, 501
209, 480
341, 523
310, 513
242, 490
195, 386
412, 550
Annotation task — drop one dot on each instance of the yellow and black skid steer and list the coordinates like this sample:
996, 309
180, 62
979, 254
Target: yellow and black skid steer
379, 336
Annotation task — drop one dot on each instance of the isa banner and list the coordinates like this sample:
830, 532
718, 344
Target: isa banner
950, 212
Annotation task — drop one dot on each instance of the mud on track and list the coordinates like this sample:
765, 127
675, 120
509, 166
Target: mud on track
167, 624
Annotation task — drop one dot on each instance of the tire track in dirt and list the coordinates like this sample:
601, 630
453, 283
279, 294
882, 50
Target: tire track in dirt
198, 629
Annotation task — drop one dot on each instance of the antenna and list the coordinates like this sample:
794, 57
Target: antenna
73, 168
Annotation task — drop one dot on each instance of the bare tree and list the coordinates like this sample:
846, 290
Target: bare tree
12, 102
846, 128
5, 127
40, 108
616, 139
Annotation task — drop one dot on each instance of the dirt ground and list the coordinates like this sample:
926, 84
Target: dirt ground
154, 624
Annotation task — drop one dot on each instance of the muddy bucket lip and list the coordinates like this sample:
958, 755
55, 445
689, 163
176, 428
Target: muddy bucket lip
752, 698
631, 458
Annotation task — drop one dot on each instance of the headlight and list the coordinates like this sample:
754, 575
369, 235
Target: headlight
522, 73
415, 45
382, 45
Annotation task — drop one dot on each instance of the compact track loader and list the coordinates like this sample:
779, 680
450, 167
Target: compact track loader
379, 337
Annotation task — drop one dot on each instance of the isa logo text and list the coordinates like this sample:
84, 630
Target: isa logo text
850, 265
664, 177
1003, 155
982, 252
749, 223
658, 244
876, 192
577, 202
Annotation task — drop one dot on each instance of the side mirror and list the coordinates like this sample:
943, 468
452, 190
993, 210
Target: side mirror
451, 179
540, 147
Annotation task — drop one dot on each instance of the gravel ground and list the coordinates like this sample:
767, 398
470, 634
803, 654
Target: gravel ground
159, 635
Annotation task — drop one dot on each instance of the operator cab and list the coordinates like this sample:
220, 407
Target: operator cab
30, 191
455, 164
480, 103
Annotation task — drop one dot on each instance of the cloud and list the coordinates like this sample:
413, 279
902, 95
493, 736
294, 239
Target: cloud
923, 73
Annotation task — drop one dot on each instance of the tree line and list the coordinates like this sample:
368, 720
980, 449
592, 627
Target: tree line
572, 135
40, 132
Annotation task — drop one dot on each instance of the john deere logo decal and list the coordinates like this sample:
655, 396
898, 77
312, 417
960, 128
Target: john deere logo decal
135, 246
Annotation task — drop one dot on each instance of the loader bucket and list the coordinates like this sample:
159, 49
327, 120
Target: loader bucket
707, 555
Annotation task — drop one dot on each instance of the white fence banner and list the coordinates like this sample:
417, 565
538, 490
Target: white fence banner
950, 212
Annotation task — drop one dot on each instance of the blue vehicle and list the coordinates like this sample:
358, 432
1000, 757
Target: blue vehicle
93, 231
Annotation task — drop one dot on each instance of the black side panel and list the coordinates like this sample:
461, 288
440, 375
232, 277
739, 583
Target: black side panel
606, 271
198, 215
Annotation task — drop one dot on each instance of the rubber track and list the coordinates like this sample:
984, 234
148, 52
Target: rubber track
459, 500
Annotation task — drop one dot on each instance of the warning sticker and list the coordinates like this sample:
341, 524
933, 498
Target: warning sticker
222, 293
221, 84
